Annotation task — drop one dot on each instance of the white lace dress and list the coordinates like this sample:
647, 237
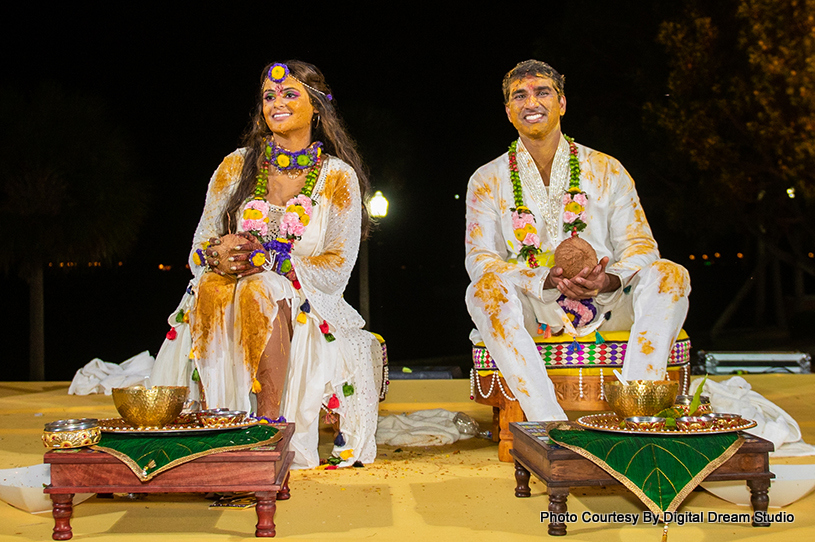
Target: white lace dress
318, 369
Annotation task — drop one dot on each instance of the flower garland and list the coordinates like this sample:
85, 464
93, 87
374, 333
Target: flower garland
523, 220
574, 200
296, 217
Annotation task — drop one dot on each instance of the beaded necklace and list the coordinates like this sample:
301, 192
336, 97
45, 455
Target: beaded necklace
523, 220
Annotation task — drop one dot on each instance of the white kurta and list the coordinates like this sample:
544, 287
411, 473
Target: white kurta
506, 298
323, 259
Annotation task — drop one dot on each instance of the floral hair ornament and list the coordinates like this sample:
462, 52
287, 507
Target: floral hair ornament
279, 72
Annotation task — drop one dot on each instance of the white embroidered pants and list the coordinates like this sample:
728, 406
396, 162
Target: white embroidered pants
653, 306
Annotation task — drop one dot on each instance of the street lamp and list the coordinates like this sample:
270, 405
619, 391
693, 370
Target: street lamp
378, 208
378, 205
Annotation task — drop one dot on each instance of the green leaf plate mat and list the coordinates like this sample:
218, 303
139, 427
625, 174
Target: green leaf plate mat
661, 471
150, 456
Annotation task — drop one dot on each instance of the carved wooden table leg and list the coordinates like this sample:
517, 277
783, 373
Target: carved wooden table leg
62, 508
759, 498
284, 494
265, 509
557, 505
521, 481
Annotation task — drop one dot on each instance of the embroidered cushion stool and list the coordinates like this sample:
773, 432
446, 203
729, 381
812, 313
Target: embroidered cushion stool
577, 372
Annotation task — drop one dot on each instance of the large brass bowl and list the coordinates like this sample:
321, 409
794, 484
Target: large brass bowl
150, 407
640, 397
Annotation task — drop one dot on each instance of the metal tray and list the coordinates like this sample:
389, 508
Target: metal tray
610, 422
118, 425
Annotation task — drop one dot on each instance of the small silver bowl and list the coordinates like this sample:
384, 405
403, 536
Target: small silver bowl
73, 433
220, 417
693, 423
683, 402
724, 420
645, 423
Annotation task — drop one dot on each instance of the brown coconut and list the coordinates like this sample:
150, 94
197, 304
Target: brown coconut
224, 250
573, 254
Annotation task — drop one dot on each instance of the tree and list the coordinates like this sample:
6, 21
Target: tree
740, 109
68, 192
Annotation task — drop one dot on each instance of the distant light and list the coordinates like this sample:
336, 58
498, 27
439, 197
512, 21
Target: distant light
791, 192
811, 255
739, 255
456, 196
716, 255
164, 267
704, 256
187, 265
378, 205
692, 257
121, 264
50, 264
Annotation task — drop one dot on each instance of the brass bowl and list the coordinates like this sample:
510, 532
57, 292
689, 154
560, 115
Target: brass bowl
640, 397
150, 407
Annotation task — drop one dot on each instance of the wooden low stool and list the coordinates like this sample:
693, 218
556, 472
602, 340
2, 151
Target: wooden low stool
577, 375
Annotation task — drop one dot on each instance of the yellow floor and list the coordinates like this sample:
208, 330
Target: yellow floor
456, 492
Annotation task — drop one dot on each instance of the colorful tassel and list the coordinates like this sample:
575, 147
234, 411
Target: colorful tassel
256, 387
333, 402
340, 440
347, 389
598, 339
574, 347
347, 454
172, 334
302, 318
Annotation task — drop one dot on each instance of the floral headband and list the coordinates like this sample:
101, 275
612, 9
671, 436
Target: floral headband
278, 73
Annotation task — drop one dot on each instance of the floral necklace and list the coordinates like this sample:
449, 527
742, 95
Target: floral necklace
293, 163
523, 220
298, 209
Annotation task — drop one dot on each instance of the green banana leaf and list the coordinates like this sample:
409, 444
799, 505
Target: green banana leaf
661, 471
148, 456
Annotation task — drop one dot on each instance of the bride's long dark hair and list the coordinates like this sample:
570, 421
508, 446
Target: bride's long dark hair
327, 127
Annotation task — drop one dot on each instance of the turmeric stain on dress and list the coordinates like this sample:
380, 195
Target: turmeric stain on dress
645, 345
474, 231
337, 189
328, 259
253, 325
227, 173
215, 293
483, 192
522, 386
493, 295
673, 279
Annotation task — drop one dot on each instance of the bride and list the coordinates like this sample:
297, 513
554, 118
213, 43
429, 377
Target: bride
263, 318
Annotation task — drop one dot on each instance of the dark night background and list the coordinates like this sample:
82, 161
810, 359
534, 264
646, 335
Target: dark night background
419, 90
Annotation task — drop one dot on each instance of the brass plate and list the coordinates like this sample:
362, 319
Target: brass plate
608, 421
118, 425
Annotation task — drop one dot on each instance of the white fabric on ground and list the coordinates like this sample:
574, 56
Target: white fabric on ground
101, 376
421, 428
735, 396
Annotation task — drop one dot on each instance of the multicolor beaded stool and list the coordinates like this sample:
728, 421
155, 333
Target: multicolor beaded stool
577, 372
